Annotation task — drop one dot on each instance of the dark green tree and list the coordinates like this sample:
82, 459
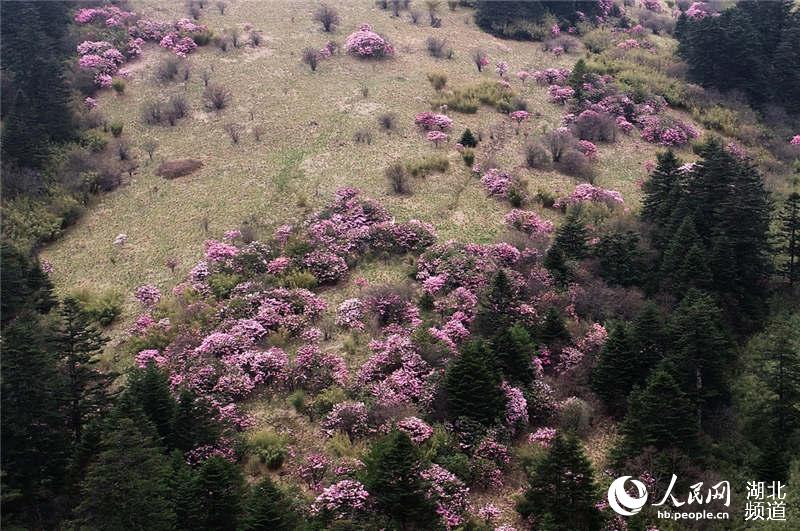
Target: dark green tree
620, 258
571, 238
659, 415
221, 489
612, 378
79, 344
562, 492
556, 264
267, 509
35, 440
468, 139
194, 423
472, 385
512, 349
393, 481
658, 189
496, 305
790, 237
185, 495
128, 485
553, 331
148, 388
23, 285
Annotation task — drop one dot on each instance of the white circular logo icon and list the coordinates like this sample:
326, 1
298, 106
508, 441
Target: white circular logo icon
622, 502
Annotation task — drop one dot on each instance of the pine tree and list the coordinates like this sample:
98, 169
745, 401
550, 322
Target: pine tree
562, 492
148, 388
553, 331
79, 344
495, 307
571, 238
512, 349
659, 415
556, 264
393, 481
694, 272
701, 352
620, 258
23, 283
268, 509
220, 488
185, 495
790, 237
127, 487
658, 190
35, 442
468, 139
473, 385
672, 271
577, 78
194, 423
648, 340
612, 378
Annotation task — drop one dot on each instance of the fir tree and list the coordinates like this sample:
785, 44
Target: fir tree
620, 258
194, 423
267, 509
79, 344
35, 442
468, 139
612, 378
127, 487
659, 415
185, 495
578, 77
571, 238
701, 352
553, 331
556, 264
24, 285
495, 307
658, 190
473, 385
790, 237
393, 481
672, 272
220, 488
148, 388
562, 492
512, 349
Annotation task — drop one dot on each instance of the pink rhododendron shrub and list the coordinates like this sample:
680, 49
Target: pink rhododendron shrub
449, 494
667, 132
325, 266
395, 374
417, 430
551, 76
588, 149
390, 237
501, 68
497, 182
430, 121
315, 370
111, 16
795, 141
217, 251
528, 222
519, 116
312, 470
343, 500
586, 192
653, 5
145, 357
493, 451
698, 10
523, 75
516, 407
560, 95
366, 43
489, 513
348, 417
350, 314
148, 294
436, 137
542, 436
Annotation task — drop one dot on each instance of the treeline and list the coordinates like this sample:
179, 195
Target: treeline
750, 47
518, 20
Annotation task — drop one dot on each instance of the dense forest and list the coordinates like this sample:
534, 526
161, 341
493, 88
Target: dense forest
480, 390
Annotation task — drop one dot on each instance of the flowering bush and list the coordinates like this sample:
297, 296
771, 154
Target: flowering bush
551, 76
588, 149
436, 137
367, 43
795, 141
586, 192
315, 370
528, 222
148, 294
341, 500
542, 436
313, 469
112, 16
519, 116
417, 430
395, 374
523, 75
667, 132
652, 5
431, 121
348, 417
327, 267
489, 512
516, 407
560, 95
501, 68
698, 10
497, 182
350, 314
217, 251
448, 493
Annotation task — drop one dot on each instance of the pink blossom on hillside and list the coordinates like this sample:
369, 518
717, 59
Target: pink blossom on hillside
436, 137
542, 436
432, 121
325, 266
145, 357
652, 5
560, 95
795, 141
497, 182
588, 148
519, 116
90, 102
148, 294
501, 68
349, 417
217, 251
523, 75
528, 222
586, 192
449, 494
698, 10
367, 43
342, 500
417, 429
489, 512
516, 407
316, 370
551, 76
350, 314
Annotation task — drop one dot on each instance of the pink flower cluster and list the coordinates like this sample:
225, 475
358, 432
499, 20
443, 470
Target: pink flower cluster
551, 76
542, 436
417, 429
501, 68
698, 10
795, 141
112, 16
528, 222
430, 121
586, 192
327, 267
148, 294
313, 469
516, 407
448, 493
342, 500
436, 137
519, 116
350, 314
180, 46
315, 370
497, 182
667, 132
395, 374
588, 148
560, 95
367, 43
652, 5
348, 417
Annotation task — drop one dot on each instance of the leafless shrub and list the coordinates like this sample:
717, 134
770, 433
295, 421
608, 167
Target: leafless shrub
480, 59
150, 146
222, 6
123, 149
437, 80
152, 112
537, 156
177, 107
576, 164
558, 142
387, 121
194, 10
205, 75
178, 168
328, 17
311, 58
256, 38
415, 15
436, 46
234, 131
167, 69
258, 132
595, 126
216, 97
235, 36
399, 181
395, 5
363, 136
223, 42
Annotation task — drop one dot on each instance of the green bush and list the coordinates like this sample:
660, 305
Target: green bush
203, 38
93, 140
468, 139
437, 80
328, 398
101, 308
469, 99
116, 129
546, 198
118, 85
221, 284
269, 447
428, 165
298, 279
468, 156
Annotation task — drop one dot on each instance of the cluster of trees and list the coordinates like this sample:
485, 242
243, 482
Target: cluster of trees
751, 47
514, 19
